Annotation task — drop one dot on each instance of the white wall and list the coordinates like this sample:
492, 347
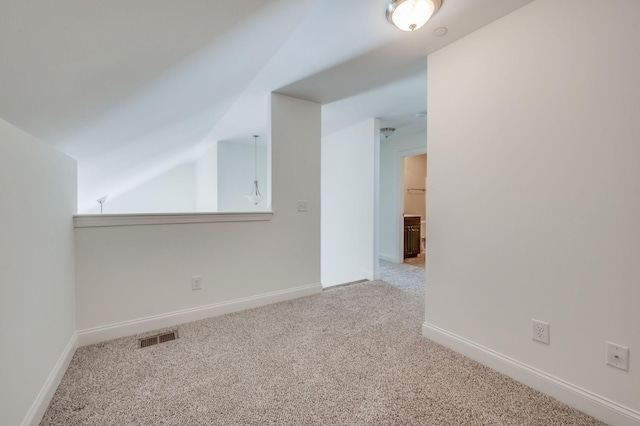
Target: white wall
136, 272
392, 152
415, 172
534, 191
171, 192
206, 175
217, 182
37, 201
236, 172
349, 174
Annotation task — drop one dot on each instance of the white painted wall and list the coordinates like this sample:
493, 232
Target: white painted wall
534, 190
392, 152
236, 172
37, 201
136, 272
217, 182
415, 172
349, 174
206, 176
171, 192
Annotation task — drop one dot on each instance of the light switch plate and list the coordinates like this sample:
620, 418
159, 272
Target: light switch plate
196, 282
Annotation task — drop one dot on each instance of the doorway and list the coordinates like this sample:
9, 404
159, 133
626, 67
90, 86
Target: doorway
413, 208
392, 193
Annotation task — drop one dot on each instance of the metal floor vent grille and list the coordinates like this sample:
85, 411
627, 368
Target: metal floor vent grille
158, 338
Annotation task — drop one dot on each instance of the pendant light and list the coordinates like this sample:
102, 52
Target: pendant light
387, 131
101, 201
255, 197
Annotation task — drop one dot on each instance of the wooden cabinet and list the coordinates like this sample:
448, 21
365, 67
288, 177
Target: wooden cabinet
411, 236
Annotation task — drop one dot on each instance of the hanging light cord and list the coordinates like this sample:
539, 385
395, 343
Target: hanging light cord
255, 163
255, 157
255, 197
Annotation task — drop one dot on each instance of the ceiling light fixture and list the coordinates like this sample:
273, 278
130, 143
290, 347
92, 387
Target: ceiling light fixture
101, 201
387, 131
409, 15
255, 197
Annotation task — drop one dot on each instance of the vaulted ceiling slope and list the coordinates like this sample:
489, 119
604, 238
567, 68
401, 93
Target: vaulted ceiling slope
132, 88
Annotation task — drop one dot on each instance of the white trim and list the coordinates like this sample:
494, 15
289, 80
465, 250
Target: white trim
412, 151
96, 220
368, 275
388, 258
584, 400
127, 328
330, 286
41, 403
376, 200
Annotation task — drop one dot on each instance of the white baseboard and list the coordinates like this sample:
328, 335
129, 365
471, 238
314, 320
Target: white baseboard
368, 274
327, 287
595, 405
41, 403
388, 257
127, 328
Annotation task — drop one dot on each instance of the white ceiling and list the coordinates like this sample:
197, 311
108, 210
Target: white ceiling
132, 88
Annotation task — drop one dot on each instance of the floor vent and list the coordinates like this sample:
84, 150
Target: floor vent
158, 338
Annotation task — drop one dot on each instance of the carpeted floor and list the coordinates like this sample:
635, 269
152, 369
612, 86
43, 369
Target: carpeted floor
352, 355
416, 261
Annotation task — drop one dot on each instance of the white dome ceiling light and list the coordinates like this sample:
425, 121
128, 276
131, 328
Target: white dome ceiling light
409, 15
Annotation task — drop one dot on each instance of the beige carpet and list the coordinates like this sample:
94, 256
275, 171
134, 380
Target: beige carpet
350, 356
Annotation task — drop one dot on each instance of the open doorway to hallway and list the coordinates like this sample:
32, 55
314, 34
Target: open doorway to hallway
393, 193
414, 209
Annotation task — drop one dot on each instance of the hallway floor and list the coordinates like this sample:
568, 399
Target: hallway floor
416, 261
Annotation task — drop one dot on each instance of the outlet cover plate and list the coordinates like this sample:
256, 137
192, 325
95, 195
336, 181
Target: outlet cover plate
617, 356
540, 331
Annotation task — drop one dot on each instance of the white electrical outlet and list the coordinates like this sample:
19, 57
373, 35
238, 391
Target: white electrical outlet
196, 282
617, 356
540, 331
303, 205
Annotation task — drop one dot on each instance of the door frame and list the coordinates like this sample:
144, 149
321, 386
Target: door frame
399, 204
